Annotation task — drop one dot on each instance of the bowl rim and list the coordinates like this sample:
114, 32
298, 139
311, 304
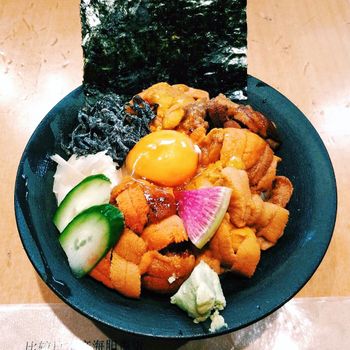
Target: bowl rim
23, 228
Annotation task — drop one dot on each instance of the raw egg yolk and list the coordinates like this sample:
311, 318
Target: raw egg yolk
166, 157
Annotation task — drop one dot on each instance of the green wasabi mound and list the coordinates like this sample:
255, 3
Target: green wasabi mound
200, 294
217, 322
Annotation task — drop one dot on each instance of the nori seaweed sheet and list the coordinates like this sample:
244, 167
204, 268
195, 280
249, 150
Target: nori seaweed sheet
130, 45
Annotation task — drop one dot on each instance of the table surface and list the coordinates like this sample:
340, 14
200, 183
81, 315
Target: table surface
300, 47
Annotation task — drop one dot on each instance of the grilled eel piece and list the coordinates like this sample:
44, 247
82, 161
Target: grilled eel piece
225, 113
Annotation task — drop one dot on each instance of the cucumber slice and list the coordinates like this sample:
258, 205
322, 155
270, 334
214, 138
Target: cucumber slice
89, 236
93, 190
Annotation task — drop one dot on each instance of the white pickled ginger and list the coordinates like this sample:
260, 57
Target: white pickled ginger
72, 171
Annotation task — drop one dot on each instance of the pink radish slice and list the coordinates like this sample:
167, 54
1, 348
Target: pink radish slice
202, 211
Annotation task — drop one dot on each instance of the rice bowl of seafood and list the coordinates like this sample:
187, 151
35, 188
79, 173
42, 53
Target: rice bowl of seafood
174, 201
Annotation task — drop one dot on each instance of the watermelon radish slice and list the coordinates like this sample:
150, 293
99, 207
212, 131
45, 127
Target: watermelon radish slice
202, 211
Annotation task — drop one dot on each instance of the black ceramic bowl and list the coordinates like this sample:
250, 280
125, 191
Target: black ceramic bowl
281, 273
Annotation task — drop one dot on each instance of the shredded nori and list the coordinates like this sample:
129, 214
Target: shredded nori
130, 45
107, 125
